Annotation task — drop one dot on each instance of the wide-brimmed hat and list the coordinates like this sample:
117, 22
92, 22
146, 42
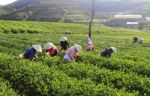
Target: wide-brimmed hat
78, 47
48, 45
37, 48
142, 39
114, 49
63, 39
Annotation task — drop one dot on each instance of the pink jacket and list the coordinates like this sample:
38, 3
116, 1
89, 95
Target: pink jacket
89, 47
71, 53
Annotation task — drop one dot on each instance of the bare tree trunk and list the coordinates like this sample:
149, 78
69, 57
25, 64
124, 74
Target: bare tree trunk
91, 21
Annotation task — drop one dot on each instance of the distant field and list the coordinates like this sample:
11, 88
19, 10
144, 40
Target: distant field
127, 73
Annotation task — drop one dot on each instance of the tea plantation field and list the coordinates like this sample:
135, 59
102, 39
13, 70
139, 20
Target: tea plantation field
126, 73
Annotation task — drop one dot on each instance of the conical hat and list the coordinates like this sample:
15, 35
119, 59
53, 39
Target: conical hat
63, 39
142, 39
37, 48
78, 47
48, 45
114, 49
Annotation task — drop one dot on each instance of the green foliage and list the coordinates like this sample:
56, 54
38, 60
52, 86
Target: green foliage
125, 73
5, 89
36, 79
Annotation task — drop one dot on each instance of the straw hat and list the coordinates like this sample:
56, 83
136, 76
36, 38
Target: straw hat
37, 48
63, 39
142, 39
114, 49
48, 45
78, 47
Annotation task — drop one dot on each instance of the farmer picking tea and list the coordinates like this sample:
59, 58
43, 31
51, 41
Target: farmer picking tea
50, 49
108, 52
64, 43
73, 52
31, 52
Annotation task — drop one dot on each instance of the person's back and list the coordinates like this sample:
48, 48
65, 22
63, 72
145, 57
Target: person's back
64, 45
89, 46
53, 51
106, 53
135, 39
29, 53
71, 52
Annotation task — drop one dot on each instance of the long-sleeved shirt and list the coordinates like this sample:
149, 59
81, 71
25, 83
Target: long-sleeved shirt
52, 52
30, 53
64, 45
107, 53
71, 52
89, 47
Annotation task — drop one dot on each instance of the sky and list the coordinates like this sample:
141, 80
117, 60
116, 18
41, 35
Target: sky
5, 2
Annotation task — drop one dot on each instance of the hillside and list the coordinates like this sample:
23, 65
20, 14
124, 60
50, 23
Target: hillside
45, 10
72, 10
126, 73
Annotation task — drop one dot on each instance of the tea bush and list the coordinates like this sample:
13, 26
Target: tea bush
5, 89
126, 73
36, 79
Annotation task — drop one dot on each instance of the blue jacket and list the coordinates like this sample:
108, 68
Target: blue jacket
30, 53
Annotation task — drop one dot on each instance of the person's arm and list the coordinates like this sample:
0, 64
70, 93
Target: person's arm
109, 52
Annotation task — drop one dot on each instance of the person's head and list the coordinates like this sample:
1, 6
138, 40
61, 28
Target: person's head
48, 46
78, 48
37, 48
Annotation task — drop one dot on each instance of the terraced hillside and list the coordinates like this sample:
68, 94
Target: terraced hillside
45, 10
127, 73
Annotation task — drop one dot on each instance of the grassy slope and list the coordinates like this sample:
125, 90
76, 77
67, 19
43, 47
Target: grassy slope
130, 61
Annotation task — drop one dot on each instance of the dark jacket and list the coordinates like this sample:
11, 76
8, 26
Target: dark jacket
30, 53
107, 53
64, 45
135, 39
